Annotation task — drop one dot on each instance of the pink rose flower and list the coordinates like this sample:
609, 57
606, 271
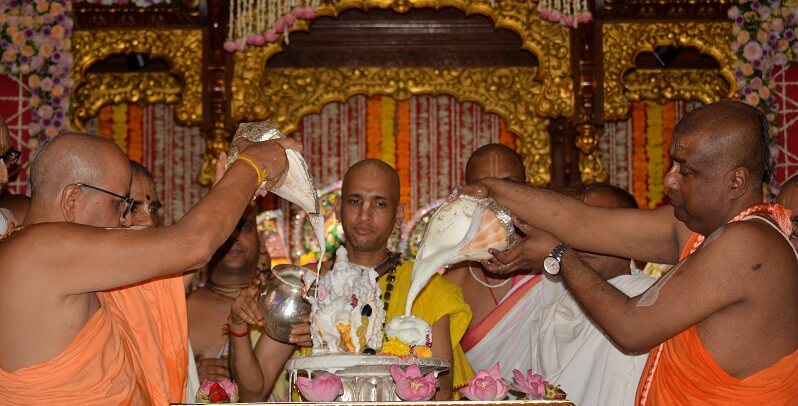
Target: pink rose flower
752, 51
487, 384
46, 84
411, 386
324, 388
225, 391
532, 384
45, 111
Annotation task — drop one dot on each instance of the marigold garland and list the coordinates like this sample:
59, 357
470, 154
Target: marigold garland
505, 136
654, 153
135, 144
639, 153
373, 137
668, 125
387, 122
105, 122
403, 152
119, 126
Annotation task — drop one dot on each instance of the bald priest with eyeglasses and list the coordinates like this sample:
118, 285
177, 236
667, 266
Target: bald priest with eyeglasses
78, 324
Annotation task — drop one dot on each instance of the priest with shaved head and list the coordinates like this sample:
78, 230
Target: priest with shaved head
78, 324
722, 325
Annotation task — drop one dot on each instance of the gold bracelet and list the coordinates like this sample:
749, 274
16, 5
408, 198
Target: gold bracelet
261, 173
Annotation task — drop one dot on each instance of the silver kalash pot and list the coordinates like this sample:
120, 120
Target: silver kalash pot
281, 301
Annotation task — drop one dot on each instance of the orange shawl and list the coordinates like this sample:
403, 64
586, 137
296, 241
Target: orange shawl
681, 371
133, 350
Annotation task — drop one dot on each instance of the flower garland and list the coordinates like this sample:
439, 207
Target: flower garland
35, 41
654, 142
403, 152
639, 180
137, 3
257, 22
764, 39
387, 121
569, 13
373, 127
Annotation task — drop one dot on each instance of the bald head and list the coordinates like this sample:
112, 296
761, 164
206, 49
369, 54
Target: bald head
609, 197
495, 161
736, 135
74, 157
370, 168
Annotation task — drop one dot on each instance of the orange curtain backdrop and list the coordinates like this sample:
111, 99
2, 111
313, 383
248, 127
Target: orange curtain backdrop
374, 127
640, 177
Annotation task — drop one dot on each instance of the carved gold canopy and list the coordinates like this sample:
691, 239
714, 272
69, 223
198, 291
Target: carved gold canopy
525, 97
180, 48
623, 83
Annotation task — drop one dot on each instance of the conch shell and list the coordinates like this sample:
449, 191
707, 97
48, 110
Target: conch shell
297, 185
460, 230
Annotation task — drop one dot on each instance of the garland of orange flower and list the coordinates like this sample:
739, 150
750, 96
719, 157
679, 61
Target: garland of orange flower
639, 153
105, 122
668, 125
387, 130
656, 189
135, 144
119, 126
403, 152
373, 118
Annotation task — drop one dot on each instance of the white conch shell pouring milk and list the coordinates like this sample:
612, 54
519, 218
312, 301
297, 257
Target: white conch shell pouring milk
460, 230
297, 185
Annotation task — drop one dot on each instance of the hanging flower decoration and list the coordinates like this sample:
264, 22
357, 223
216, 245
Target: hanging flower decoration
569, 13
764, 40
137, 3
259, 22
34, 41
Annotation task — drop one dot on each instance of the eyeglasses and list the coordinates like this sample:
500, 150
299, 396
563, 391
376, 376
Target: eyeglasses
11, 157
128, 201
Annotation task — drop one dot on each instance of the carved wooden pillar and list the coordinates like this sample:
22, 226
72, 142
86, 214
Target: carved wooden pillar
586, 64
564, 157
217, 127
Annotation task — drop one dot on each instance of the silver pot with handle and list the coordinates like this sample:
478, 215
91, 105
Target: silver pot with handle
281, 301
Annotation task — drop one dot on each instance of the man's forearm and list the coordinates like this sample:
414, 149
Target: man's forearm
604, 303
246, 370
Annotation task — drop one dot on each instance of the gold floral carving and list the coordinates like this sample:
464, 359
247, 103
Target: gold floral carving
180, 48
548, 41
288, 94
100, 89
710, 38
663, 85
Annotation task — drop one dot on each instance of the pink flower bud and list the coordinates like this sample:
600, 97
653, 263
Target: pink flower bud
325, 387
411, 386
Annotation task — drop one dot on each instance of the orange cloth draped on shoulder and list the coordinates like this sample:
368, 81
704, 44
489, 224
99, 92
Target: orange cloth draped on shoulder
681, 371
133, 350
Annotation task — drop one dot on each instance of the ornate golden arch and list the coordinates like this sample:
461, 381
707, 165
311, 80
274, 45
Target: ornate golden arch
522, 96
181, 48
624, 84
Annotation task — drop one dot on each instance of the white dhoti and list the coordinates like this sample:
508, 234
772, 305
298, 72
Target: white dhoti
568, 349
503, 335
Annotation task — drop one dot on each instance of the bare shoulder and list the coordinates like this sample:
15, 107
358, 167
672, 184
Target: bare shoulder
750, 247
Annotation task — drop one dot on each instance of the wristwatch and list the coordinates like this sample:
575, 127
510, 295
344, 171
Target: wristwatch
552, 262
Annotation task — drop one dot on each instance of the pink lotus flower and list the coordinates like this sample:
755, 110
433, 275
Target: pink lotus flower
225, 391
487, 384
411, 386
532, 384
324, 388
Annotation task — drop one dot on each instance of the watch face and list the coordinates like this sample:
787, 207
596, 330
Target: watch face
551, 265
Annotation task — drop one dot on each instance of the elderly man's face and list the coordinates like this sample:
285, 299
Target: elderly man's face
146, 212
